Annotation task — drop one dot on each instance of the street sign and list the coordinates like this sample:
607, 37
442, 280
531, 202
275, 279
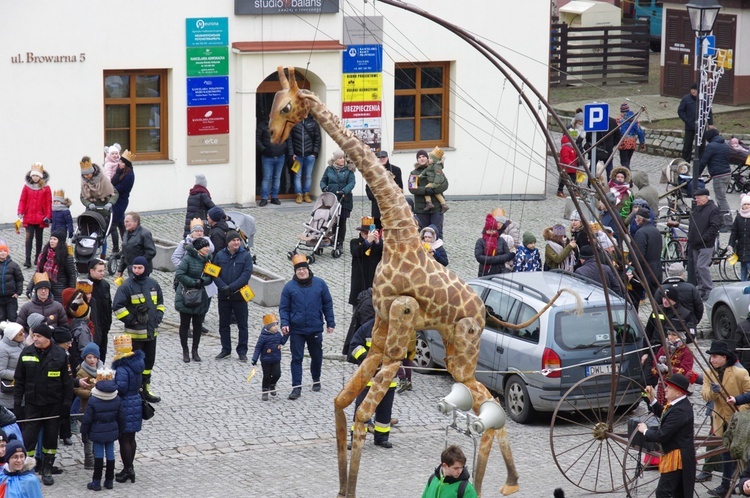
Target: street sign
709, 45
363, 59
206, 31
596, 117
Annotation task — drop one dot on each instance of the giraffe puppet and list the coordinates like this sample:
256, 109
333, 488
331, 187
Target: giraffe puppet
410, 292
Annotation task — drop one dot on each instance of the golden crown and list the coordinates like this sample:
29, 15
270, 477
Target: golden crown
299, 258
59, 193
38, 167
269, 318
86, 163
437, 152
105, 374
40, 277
123, 342
195, 222
128, 155
367, 221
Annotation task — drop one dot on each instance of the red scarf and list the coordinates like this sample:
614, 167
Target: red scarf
50, 265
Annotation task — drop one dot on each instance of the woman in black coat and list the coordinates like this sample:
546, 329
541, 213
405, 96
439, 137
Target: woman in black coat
739, 239
367, 251
198, 203
123, 181
59, 265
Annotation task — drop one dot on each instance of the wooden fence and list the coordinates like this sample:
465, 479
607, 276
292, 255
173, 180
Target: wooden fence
600, 55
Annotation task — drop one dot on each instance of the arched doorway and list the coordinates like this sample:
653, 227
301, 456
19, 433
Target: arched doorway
264, 99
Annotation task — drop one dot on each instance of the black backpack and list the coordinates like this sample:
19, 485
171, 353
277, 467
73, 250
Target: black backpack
461, 487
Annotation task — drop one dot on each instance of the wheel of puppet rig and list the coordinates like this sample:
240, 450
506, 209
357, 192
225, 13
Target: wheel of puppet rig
589, 430
640, 466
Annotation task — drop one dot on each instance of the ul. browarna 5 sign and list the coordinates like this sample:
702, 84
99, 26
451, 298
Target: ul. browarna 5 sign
267, 7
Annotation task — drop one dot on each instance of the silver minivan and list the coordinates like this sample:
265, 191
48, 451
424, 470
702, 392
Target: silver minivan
510, 361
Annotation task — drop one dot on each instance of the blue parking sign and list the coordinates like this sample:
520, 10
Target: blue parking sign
596, 117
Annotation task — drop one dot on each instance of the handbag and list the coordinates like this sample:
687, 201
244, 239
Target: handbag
6, 386
147, 409
192, 298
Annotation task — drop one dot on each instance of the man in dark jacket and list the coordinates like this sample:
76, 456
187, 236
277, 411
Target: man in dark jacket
648, 243
305, 148
607, 146
589, 269
716, 158
11, 284
139, 305
426, 216
672, 316
198, 202
687, 110
395, 171
137, 241
687, 294
236, 269
42, 303
43, 388
705, 223
101, 305
218, 228
366, 251
273, 158
305, 303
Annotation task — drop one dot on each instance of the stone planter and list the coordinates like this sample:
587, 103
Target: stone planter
267, 286
163, 259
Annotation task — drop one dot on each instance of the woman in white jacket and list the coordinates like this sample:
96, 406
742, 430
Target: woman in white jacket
11, 346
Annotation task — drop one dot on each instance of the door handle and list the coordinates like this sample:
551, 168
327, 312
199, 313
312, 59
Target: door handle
500, 349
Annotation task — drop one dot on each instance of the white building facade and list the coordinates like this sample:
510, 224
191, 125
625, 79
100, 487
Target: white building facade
82, 74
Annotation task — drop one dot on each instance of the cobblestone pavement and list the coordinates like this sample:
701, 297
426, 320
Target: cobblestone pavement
213, 436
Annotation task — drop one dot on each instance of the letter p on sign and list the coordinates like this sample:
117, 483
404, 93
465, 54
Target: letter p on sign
596, 117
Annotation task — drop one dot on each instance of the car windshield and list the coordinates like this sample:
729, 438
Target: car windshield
591, 330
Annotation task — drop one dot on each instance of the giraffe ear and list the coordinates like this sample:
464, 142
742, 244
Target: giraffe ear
282, 78
293, 81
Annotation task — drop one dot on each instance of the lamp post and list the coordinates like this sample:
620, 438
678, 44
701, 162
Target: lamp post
702, 15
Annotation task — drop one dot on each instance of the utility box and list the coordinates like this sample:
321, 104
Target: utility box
585, 14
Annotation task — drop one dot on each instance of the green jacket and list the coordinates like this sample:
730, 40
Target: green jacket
189, 271
448, 487
417, 187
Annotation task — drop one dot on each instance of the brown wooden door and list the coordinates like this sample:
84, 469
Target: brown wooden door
679, 55
725, 30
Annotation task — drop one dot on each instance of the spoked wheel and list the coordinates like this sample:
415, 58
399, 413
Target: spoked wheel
672, 252
112, 264
729, 272
587, 439
640, 469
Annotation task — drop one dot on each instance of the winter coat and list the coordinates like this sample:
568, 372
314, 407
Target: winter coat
645, 190
84, 393
716, 155
11, 278
418, 191
198, 203
365, 259
735, 381
687, 112
218, 235
101, 308
739, 239
51, 309
42, 378
677, 315
527, 259
61, 218
568, 156
264, 145
145, 294
342, 180
552, 259
179, 251
82, 336
268, 347
236, 270
304, 306
35, 204
128, 376
190, 275
104, 418
66, 275
23, 484
649, 243
395, 172
705, 223
362, 312
123, 182
496, 262
630, 131
688, 296
139, 242
439, 486
607, 146
10, 351
590, 270
305, 138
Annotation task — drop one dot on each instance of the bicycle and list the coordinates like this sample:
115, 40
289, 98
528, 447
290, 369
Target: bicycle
674, 238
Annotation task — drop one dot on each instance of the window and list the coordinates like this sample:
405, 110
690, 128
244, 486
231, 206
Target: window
421, 105
135, 112
499, 306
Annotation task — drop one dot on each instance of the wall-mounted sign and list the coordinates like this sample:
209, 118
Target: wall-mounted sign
208, 149
362, 87
208, 120
367, 30
363, 59
207, 61
268, 7
206, 31
211, 90
357, 110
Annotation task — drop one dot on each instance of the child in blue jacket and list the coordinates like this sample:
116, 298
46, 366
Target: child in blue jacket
103, 422
268, 349
61, 217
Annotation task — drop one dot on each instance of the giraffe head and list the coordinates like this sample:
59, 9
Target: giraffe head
289, 107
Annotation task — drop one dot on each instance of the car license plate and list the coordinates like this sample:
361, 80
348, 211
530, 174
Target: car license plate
599, 369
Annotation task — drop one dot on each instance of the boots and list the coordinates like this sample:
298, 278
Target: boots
298, 200
127, 473
185, 355
88, 455
47, 461
148, 395
196, 357
109, 475
307, 197
96, 480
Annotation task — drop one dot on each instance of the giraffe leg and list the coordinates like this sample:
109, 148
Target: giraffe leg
393, 342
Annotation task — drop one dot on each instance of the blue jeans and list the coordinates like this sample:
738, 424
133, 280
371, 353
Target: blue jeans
272, 167
744, 270
307, 164
100, 448
314, 347
239, 308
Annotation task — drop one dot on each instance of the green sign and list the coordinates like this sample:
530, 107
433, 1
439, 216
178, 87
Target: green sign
208, 61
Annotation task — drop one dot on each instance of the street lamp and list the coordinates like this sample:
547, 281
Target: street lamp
703, 15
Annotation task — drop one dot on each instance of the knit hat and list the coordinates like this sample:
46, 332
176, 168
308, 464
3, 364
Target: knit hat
603, 240
575, 216
113, 148
75, 304
528, 238
4, 436
381, 153
95, 261
34, 319
745, 200
4, 246
84, 285
200, 179
86, 167
436, 154
140, 260
644, 213
13, 447
37, 169
300, 261
624, 107
62, 335
60, 234
586, 252
200, 243
10, 329
675, 269
269, 319
41, 280
422, 152
216, 213
672, 294
231, 235
91, 348
701, 191
578, 117
338, 154
44, 330
490, 223
501, 219
58, 196
558, 230
196, 224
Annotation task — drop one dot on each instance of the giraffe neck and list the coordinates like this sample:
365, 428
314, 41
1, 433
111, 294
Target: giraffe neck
395, 212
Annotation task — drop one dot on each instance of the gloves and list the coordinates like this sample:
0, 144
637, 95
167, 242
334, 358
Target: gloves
662, 359
326, 189
108, 206
92, 206
20, 216
142, 314
661, 367
253, 363
198, 283
47, 221
692, 376
730, 250
429, 191
715, 388
19, 412
225, 292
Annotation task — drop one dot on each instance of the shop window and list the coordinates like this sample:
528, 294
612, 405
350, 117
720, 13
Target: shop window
421, 105
135, 112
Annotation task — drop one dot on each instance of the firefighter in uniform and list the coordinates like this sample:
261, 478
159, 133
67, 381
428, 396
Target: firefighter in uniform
360, 344
139, 305
43, 388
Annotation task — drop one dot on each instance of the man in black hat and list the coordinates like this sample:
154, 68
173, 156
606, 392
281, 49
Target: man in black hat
675, 435
687, 294
723, 381
705, 223
672, 316
590, 270
395, 171
648, 246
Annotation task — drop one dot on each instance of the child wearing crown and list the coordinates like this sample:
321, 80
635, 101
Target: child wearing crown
268, 349
434, 176
61, 217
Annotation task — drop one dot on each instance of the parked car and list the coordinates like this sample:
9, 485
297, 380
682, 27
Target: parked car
559, 338
725, 307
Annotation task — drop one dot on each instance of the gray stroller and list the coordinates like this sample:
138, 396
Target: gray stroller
321, 231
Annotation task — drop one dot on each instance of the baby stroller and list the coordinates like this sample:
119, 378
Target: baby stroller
321, 231
679, 179
244, 224
91, 233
